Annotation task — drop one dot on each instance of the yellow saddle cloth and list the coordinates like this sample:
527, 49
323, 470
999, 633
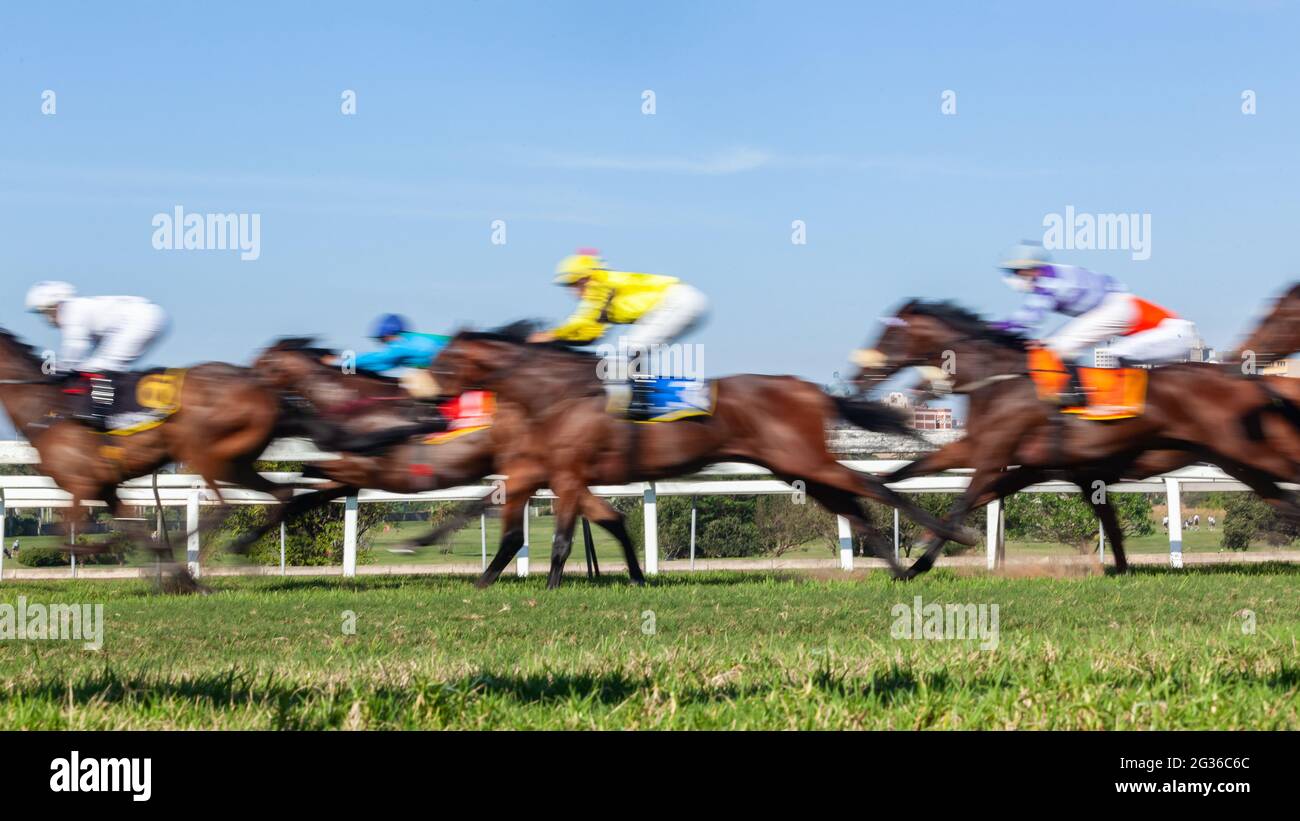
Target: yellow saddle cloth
147, 399
1109, 393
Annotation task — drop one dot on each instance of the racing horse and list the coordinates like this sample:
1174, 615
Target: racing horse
775, 422
225, 419
363, 405
1276, 337
1009, 425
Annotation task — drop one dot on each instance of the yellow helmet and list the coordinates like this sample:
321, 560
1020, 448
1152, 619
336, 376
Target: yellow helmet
578, 266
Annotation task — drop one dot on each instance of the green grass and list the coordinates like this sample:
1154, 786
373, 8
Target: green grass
464, 547
1157, 649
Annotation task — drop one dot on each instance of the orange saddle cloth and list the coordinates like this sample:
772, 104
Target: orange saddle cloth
1110, 393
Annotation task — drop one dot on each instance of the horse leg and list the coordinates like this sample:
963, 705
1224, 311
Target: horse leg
604, 514
949, 457
512, 530
1284, 502
985, 486
287, 512
455, 523
833, 474
845, 503
1110, 525
566, 516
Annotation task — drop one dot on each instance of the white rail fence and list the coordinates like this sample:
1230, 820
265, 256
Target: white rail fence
19, 492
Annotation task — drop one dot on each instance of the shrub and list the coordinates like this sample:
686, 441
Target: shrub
1246, 517
116, 546
313, 539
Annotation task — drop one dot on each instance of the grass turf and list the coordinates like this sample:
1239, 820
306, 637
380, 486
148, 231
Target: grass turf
1156, 649
465, 546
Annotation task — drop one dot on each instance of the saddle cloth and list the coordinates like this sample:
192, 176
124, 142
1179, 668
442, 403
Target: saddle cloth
142, 400
470, 411
670, 399
1109, 393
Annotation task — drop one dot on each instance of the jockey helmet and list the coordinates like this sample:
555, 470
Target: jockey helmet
578, 266
1025, 255
46, 295
388, 325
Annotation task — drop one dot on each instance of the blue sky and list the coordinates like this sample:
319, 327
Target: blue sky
531, 113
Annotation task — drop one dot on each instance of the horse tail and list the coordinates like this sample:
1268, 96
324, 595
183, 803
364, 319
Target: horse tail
873, 416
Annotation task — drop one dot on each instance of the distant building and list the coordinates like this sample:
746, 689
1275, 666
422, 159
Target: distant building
1200, 352
925, 417
898, 399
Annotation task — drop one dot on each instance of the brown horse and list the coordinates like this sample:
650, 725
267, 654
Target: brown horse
776, 422
416, 463
226, 418
1276, 337
356, 412
1009, 425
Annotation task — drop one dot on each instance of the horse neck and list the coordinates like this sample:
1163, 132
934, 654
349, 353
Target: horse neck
322, 384
24, 403
545, 379
1277, 337
978, 359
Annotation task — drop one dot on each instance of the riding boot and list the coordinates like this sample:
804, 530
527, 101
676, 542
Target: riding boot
92, 399
1073, 396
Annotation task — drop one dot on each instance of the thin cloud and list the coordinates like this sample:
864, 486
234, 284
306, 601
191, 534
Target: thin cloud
744, 160
734, 161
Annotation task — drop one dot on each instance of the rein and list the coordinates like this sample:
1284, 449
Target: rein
971, 387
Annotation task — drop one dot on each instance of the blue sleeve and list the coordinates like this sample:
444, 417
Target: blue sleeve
384, 359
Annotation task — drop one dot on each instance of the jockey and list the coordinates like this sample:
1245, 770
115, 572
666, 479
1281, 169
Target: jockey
658, 309
404, 349
1101, 308
102, 337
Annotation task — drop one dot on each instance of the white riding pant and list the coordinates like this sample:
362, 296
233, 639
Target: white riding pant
1168, 341
682, 309
138, 328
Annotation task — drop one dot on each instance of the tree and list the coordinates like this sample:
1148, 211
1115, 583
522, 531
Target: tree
1246, 517
315, 538
1066, 519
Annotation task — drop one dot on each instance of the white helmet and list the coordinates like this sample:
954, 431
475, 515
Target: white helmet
46, 295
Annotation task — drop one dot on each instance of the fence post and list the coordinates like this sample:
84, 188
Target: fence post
281, 547
350, 536
650, 504
482, 538
692, 533
521, 563
993, 533
846, 543
1101, 544
2, 534
1174, 501
895, 534
192, 531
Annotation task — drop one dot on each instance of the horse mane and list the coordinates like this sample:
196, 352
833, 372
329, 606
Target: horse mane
965, 321
22, 347
517, 333
302, 344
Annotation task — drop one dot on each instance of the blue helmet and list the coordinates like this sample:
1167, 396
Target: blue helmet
388, 325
